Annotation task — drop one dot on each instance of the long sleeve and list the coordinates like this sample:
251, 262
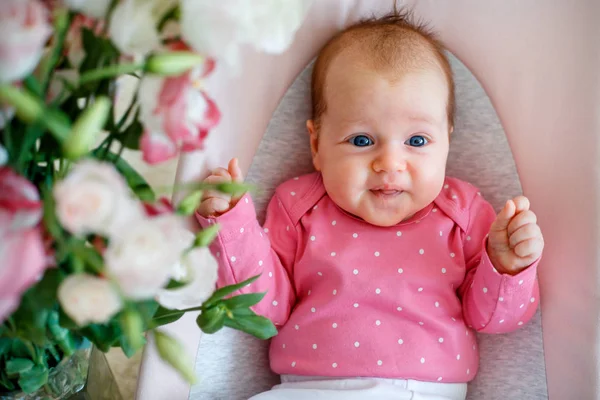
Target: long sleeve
244, 249
493, 302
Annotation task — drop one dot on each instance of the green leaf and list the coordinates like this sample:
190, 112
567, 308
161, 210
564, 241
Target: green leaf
243, 300
50, 220
211, 320
103, 336
4, 346
164, 316
130, 138
173, 284
255, 325
147, 308
87, 254
173, 353
18, 366
61, 336
135, 181
33, 85
227, 290
133, 332
205, 237
233, 188
190, 203
35, 378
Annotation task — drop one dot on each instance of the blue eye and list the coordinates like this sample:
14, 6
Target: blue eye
361, 141
417, 141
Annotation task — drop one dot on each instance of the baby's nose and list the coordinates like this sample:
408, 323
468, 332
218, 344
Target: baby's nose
389, 161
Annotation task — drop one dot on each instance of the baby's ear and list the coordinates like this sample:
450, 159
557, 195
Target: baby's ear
314, 143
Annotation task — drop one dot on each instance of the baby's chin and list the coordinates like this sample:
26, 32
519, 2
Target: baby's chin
383, 220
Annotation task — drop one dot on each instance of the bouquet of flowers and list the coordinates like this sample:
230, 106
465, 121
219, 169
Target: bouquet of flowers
88, 253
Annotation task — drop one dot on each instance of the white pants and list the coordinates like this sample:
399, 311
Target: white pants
363, 388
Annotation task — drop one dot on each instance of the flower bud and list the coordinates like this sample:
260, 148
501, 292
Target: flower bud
84, 131
173, 63
173, 352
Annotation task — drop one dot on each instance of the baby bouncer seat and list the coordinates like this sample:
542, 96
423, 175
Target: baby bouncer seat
528, 121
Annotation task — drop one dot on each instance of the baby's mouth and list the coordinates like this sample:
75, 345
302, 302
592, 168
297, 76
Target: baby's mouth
386, 193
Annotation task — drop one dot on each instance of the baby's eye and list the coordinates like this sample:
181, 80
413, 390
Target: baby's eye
417, 141
361, 141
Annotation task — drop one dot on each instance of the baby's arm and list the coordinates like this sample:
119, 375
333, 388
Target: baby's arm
244, 249
493, 302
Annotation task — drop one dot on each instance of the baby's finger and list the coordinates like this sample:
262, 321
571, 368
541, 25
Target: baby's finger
214, 179
521, 219
504, 217
235, 171
524, 233
521, 203
221, 172
531, 248
213, 207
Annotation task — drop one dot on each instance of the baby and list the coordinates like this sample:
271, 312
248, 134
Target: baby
378, 268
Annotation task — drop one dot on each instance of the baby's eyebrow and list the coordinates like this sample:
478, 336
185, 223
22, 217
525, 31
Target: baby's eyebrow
423, 118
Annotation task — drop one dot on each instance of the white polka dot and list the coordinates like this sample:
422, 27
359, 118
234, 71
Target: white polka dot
293, 363
296, 327
355, 305
296, 178
468, 371
376, 254
379, 362
484, 290
356, 344
474, 347
520, 323
275, 302
260, 263
453, 319
400, 341
467, 332
333, 222
441, 233
532, 299
452, 255
458, 356
441, 340
478, 193
260, 233
314, 346
241, 230
454, 197
355, 272
283, 345
333, 254
420, 289
468, 237
500, 298
266, 230
246, 199
521, 282
313, 309
334, 325
522, 305
355, 235
233, 258
315, 207
399, 233
501, 321
446, 186
218, 254
320, 273
443, 270
334, 365
378, 322
434, 210
309, 292
421, 251
270, 274
334, 292
437, 303
422, 360
400, 270
440, 379
421, 323
287, 228
293, 193
377, 291
313, 238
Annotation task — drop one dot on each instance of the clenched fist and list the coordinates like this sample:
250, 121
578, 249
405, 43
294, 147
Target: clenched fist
215, 203
515, 240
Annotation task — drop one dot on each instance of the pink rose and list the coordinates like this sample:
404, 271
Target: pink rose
176, 114
21, 246
24, 28
162, 206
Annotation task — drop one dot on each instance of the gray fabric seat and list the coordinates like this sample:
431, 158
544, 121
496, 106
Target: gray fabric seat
512, 365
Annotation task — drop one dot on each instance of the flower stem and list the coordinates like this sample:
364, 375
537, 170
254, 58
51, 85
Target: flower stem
62, 22
108, 72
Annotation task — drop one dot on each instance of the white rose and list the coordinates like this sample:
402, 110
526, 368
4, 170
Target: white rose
201, 276
24, 29
91, 8
88, 299
218, 28
3, 156
94, 198
141, 258
132, 26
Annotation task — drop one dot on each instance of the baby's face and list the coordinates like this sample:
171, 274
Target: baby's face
382, 145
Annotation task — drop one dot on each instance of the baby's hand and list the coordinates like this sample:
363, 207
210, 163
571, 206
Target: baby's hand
215, 203
515, 239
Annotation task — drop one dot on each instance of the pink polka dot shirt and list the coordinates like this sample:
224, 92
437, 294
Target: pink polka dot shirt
351, 299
